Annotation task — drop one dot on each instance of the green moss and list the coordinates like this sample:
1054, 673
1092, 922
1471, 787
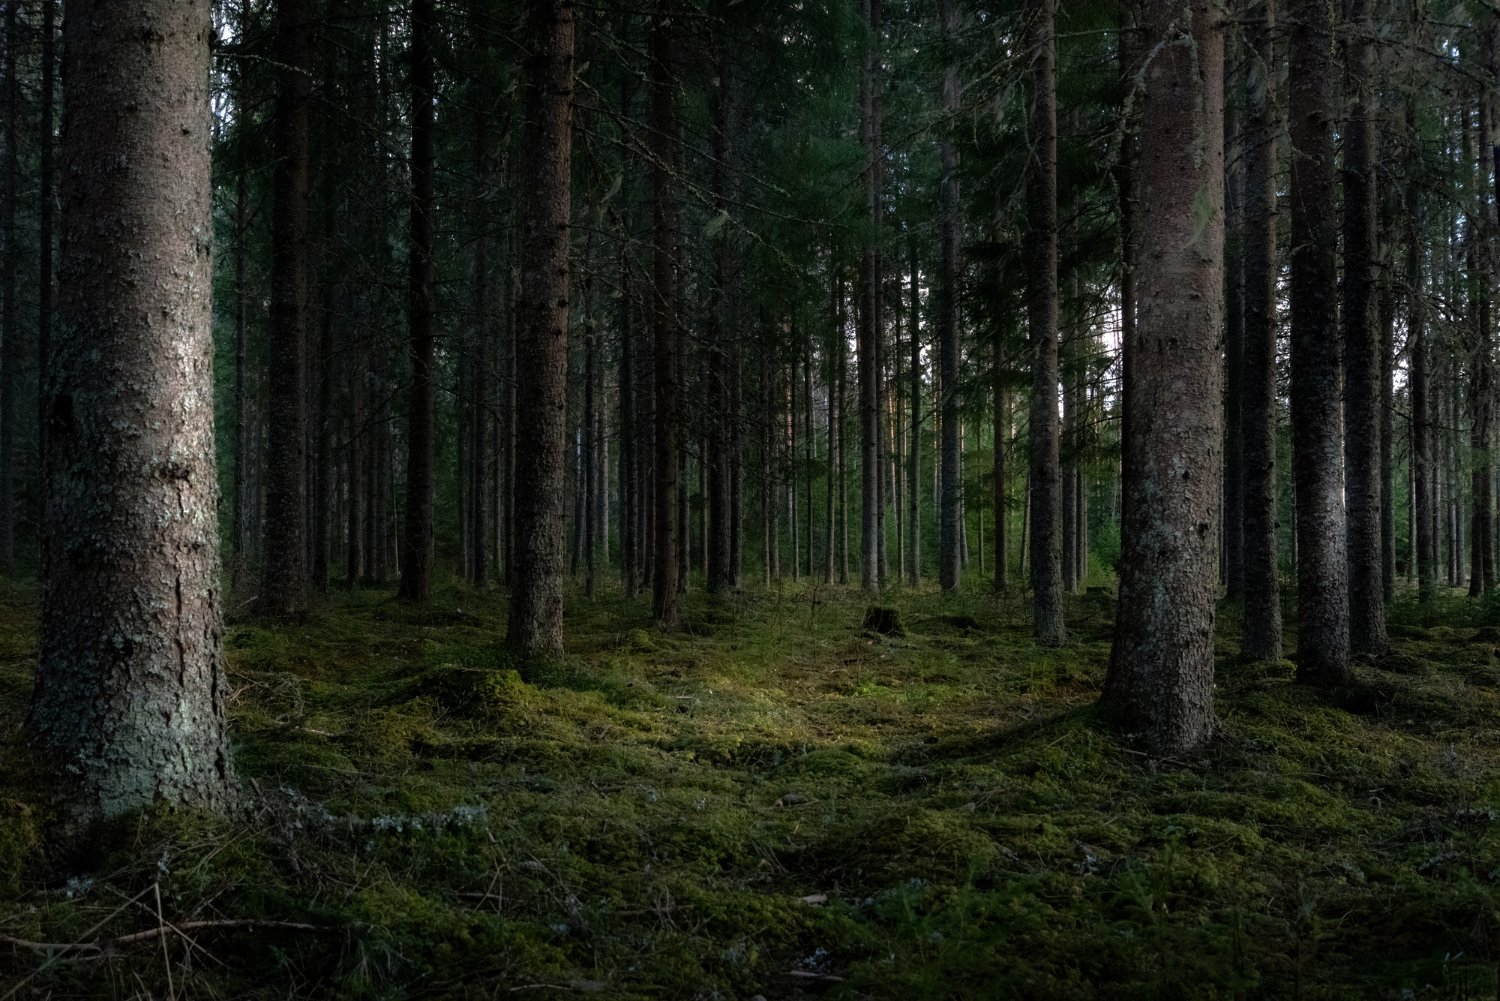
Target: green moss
20, 842
700, 813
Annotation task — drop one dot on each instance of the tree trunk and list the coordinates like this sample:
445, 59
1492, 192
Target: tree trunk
867, 315
831, 368
45, 236
285, 577
131, 687
1002, 435
1317, 417
947, 281
664, 315
1260, 637
1161, 668
536, 600
914, 449
1421, 424
1362, 411
1387, 314
285, 450
1041, 254
725, 312
10, 325
1233, 556
421, 438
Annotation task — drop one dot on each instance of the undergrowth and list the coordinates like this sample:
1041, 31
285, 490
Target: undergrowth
772, 802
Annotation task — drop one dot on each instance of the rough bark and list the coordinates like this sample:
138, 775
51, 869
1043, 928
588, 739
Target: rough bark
1160, 680
536, 600
10, 321
131, 686
284, 579
1041, 254
1260, 637
1362, 411
1316, 390
45, 215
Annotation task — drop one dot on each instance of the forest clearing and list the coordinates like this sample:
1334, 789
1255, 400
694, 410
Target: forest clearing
774, 801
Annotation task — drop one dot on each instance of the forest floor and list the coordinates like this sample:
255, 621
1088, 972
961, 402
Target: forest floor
774, 802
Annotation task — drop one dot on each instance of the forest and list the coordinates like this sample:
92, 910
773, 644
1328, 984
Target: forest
749, 499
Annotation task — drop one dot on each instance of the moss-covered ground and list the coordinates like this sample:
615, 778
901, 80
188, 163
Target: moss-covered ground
773, 802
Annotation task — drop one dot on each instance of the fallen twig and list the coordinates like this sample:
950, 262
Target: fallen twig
149, 935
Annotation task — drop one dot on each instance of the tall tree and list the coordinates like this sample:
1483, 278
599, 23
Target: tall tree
948, 305
45, 215
284, 579
536, 600
10, 324
1260, 637
1422, 468
1317, 415
726, 291
664, 314
131, 686
868, 314
1161, 668
1481, 380
417, 556
1041, 254
1362, 411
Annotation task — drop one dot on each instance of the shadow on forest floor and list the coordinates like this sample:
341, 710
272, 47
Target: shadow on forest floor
774, 802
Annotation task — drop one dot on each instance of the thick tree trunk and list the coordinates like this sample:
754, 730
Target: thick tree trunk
1161, 669
45, 235
421, 438
1362, 338
664, 316
284, 579
10, 323
1041, 254
131, 687
1317, 416
536, 600
1260, 637
1126, 183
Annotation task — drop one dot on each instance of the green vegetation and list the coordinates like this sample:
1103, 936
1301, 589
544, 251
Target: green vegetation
773, 798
